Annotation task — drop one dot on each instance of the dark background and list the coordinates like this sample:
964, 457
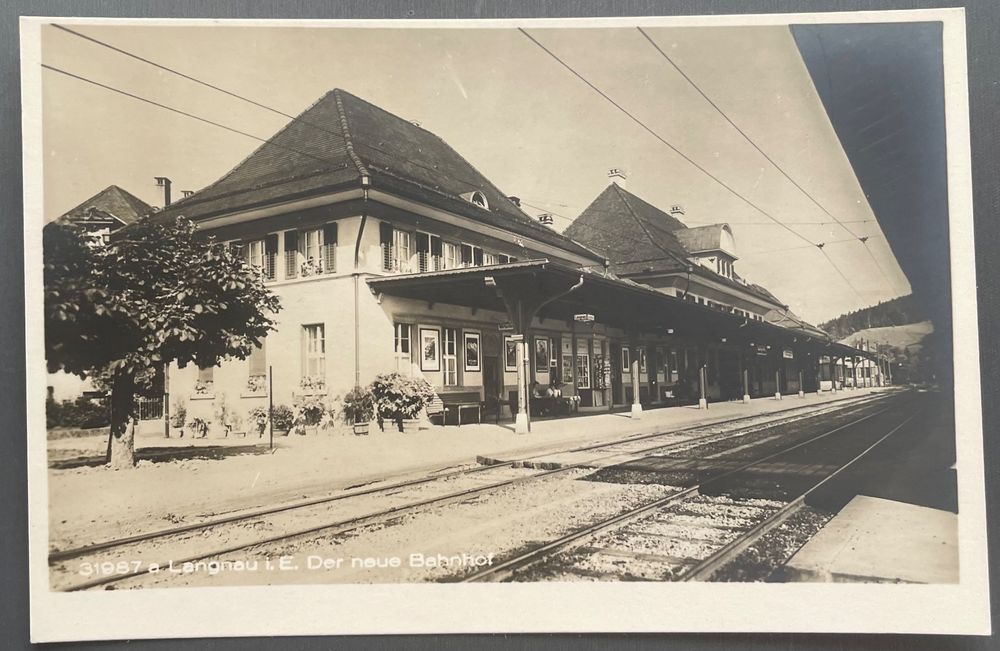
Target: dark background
908, 209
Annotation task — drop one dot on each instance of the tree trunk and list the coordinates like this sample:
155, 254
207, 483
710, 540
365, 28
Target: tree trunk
121, 440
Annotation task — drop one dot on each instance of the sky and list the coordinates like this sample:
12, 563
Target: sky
525, 121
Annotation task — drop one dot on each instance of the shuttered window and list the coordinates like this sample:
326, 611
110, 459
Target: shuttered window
330, 247
291, 254
423, 252
258, 358
385, 238
271, 256
437, 260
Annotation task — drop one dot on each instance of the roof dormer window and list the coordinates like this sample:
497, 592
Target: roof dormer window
477, 198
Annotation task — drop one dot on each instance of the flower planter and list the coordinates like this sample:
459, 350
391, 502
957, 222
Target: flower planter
410, 426
361, 429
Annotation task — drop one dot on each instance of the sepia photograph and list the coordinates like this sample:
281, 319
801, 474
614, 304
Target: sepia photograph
630, 310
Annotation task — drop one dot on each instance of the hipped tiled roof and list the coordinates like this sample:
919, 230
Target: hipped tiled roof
111, 201
634, 235
340, 139
638, 238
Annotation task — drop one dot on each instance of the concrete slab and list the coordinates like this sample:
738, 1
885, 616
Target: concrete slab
881, 541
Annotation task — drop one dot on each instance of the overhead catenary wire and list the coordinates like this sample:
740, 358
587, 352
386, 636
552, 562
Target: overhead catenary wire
338, 135
179, 111
725, 116
266, 107
687, 158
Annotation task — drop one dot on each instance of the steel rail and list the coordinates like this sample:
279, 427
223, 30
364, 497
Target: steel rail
59, 555
350, 524
522, 561
704, 570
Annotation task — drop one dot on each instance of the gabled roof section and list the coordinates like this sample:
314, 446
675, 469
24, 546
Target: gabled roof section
787, 319
706, 239
634, 235
341, 139
111, 202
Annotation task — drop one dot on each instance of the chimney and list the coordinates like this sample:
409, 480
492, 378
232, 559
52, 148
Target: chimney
164, 182
618, 176
676, 209
546, 219
515, 200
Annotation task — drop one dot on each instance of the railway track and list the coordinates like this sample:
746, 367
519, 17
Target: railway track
692, 534
243, 531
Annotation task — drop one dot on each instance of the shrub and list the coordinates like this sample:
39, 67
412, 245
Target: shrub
398, 397
282, 417
199, 426
258, 416
178, 415
309, 412
359, 406
82, 413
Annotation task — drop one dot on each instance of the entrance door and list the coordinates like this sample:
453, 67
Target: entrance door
730, 382
492, 383
617, 392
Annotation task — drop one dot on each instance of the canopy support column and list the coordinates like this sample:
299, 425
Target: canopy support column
702, 379
633, 351
524, 297
746, 380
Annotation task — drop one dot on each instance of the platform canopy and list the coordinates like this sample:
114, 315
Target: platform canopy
555, 291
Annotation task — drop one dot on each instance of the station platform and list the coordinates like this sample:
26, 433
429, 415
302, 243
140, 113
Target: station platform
898, 515
875, 540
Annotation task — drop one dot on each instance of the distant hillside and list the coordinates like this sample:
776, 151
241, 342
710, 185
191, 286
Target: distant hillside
908, 336
898, 311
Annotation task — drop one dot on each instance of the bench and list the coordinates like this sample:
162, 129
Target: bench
460, 401
547, 405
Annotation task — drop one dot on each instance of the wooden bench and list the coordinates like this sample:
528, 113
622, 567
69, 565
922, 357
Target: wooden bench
459, 401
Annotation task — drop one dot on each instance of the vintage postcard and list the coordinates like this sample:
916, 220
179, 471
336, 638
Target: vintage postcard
659, 324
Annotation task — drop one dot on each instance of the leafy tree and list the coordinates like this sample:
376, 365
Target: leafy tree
156, 294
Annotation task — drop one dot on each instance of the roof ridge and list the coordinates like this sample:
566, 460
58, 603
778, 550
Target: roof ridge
484, 180
621, 194
348, 141
193, 198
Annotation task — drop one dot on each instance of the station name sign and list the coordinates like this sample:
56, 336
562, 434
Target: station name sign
787, 353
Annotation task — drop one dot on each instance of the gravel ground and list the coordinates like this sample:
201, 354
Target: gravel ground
659, 547
509, 520
760, 561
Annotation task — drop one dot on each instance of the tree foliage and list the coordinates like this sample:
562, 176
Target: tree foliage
157, 293
897, 311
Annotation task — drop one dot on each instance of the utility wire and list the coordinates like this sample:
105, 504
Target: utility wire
180, 112
770, 160
253, 102
685, 156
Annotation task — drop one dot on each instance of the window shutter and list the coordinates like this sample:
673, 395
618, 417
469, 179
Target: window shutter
271, 243
330, 233
436, 246
291, 240
423, 243
385, 233
258, 358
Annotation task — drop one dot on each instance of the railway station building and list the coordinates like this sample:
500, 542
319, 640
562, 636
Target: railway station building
390, 252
